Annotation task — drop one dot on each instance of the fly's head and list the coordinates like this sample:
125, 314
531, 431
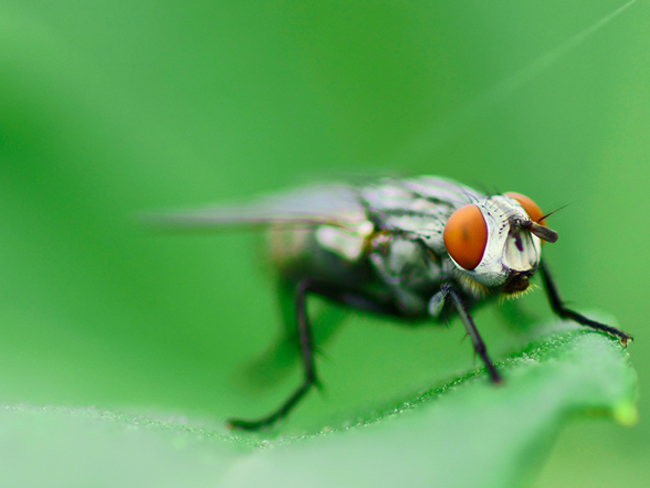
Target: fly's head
497, 241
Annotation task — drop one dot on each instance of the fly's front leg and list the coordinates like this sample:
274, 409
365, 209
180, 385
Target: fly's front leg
479, 346
559, 308
307, 356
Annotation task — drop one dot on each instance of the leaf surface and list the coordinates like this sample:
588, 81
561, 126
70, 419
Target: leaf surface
465, 433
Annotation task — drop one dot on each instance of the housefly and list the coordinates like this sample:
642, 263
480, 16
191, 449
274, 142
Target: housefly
416, 248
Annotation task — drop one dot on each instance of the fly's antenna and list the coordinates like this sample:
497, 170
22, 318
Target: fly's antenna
554, 211
540, 231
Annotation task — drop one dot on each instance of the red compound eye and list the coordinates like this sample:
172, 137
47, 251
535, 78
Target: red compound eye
529, 206
465, 236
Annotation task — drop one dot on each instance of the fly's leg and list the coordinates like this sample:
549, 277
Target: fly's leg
477, 342
307, 356
559, 308
280, 357
368, 301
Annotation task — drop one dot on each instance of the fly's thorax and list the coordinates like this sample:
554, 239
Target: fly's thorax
407, 268
503, 250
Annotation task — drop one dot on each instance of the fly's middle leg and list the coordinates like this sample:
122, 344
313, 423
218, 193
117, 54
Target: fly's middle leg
477, 342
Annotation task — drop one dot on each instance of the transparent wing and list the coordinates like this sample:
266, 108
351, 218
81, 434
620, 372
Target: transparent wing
316, 205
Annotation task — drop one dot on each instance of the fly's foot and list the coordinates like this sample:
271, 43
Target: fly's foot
613, 332
249, 425
280, 413
625, 339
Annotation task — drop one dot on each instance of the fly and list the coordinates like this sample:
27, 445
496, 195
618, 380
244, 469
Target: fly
417, 248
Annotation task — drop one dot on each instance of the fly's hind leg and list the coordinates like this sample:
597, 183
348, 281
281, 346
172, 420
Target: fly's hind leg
363, 300
280, 357
559, 308
307, 356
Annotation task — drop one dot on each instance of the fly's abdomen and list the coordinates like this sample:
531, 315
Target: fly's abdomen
337, 255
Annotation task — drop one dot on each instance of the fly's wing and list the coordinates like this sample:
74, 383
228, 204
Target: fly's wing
420, 206
337, 205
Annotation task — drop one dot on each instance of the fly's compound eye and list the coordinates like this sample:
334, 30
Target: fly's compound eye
529, 206
465, 236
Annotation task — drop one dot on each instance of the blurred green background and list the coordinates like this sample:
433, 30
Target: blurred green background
109, 108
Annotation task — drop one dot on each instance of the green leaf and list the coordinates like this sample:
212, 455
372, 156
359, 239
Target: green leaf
465, 433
